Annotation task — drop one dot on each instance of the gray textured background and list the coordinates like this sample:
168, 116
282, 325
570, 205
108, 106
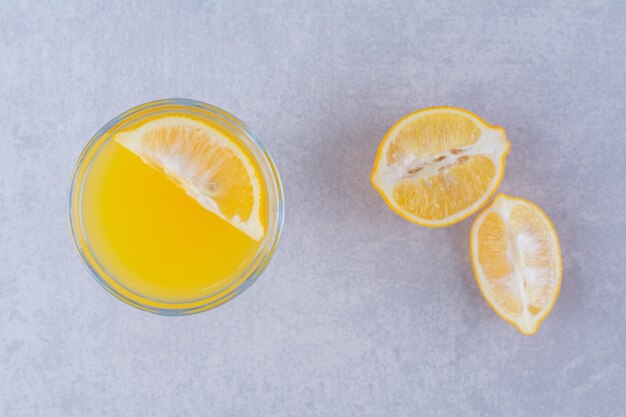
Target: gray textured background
360, 313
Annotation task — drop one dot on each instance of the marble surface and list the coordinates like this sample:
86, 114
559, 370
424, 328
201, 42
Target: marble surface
360, 313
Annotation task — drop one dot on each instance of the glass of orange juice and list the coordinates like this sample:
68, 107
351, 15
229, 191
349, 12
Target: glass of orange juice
175, 206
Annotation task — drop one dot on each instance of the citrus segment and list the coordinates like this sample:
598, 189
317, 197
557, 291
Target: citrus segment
517, 261
430, 134
207, 164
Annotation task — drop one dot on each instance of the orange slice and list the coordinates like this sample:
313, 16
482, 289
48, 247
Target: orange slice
206, 163
517, 261
437, 166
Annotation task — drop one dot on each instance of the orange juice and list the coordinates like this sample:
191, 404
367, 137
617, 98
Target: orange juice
143, 227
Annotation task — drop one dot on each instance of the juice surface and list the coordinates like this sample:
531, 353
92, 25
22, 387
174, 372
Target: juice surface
153, 238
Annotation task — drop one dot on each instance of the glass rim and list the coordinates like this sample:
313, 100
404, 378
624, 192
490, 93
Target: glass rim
239, 282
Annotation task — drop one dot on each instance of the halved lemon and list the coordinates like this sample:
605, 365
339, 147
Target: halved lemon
439, 165
207, 164
517, 261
